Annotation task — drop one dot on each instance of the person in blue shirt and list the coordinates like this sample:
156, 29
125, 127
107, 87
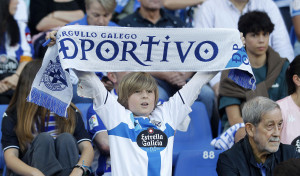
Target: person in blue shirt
98, 13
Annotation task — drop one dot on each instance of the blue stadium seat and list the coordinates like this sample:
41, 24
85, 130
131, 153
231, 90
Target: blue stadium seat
198, 135
83, 107
197, 162
2, 110
293, 37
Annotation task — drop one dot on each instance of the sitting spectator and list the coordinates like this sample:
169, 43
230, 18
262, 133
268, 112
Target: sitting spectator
260, 151
290, 105
98, 13
226, 14
268, 68
15, 49
38, 142
48, 15
151, 14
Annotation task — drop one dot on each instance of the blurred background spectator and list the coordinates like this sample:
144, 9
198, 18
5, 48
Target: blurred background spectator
268, 68
290, 106
226, 13
48, 15
15, 49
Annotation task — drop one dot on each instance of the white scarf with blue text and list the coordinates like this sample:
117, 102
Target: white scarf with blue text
99, 48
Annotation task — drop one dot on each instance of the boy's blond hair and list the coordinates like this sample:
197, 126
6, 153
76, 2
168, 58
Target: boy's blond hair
136, 81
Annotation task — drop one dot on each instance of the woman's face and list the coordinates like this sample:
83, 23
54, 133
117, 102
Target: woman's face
13, 6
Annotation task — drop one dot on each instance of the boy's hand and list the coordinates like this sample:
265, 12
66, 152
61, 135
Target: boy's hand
88, 85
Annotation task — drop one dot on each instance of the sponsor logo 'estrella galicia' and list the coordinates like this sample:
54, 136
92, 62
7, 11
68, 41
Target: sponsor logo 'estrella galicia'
54, 77
152, 140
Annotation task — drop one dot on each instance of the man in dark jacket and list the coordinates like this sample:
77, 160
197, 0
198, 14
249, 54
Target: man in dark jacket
260, 151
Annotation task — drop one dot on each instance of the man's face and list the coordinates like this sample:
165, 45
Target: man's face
151, 4
96, 15
266, 135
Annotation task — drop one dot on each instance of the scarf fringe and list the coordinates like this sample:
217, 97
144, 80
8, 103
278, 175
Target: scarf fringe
48, 101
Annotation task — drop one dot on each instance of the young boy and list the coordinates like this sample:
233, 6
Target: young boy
141, 134
267, 65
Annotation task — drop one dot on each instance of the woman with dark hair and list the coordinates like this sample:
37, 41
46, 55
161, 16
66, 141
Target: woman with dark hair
36, 141
290, 105
15, 49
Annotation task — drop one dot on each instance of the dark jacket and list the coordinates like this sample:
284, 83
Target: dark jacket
239, 160
166, 21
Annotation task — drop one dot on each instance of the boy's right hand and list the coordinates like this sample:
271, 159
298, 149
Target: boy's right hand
88, 85
51, 35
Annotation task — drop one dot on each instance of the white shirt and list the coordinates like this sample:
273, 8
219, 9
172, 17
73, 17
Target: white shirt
295, 8
21, 13
223, 14
291, 120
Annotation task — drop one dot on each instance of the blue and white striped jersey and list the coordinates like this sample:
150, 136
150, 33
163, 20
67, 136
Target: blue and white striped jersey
142, 145
11, 56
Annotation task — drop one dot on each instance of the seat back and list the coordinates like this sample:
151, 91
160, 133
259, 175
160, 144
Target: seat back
199, 128
197, 162
198, 135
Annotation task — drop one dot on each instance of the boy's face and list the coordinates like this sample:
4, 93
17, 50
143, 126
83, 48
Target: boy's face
142, 103
257, 43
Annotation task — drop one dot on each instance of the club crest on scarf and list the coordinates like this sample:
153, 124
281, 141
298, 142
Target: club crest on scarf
54, 77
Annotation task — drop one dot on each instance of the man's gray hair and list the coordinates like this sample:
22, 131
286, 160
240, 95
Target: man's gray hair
257, 107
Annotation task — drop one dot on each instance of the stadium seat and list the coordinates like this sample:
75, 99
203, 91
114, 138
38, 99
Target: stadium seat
197, 162
2, 110
83, 107
293, 37
198, 135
